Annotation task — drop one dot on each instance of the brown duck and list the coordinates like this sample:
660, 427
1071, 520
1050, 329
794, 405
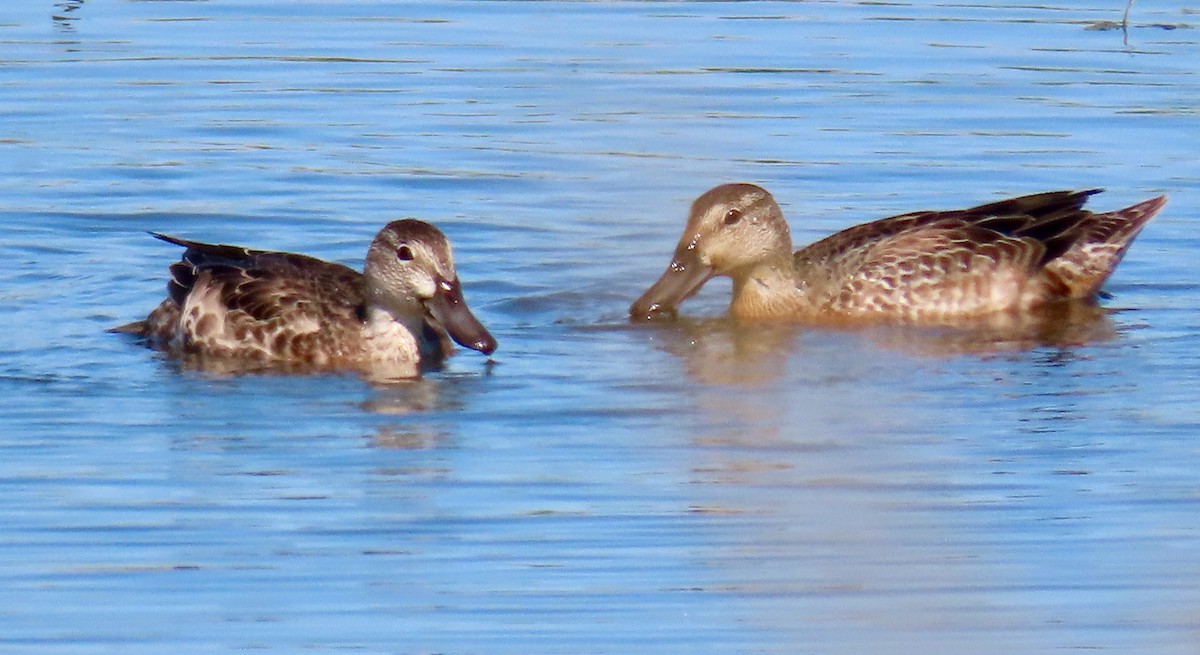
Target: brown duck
931, 266
275, 308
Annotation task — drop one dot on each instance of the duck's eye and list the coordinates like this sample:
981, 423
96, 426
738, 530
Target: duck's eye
733, 216
404, 253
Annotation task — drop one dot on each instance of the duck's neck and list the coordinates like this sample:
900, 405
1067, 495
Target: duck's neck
392, 334
767, 290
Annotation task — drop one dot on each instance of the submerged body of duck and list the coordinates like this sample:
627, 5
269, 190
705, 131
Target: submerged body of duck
229, 303
931, 266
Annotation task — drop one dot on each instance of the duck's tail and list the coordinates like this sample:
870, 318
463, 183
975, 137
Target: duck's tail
1100, 245
137, 328
159, 326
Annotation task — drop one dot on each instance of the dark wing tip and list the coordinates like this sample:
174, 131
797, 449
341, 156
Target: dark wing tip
170, 239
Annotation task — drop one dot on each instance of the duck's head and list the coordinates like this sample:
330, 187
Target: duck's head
731, 229
410, 274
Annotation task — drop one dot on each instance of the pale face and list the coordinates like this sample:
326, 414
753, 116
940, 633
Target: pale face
731, 229
735, 226
410, 273
406, 261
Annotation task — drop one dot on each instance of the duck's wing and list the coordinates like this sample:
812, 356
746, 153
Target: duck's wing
1045, 217
942, 268
262, 282
957, 262
234, 301
1083, 248
265, 293
1034, 207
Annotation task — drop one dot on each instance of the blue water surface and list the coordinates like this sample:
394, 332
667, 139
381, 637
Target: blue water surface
696, 486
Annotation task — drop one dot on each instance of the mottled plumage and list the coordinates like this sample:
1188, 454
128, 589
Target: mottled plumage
929, 266
273, 308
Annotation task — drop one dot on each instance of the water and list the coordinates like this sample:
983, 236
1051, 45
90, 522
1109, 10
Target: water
697, 487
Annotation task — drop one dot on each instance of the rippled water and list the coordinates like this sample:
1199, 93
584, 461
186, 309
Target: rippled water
697, 486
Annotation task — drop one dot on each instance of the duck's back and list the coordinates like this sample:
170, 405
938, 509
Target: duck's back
1012, 254
233, 302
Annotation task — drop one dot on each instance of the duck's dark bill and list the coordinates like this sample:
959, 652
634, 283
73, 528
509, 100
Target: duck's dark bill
681, 281
655, 313
449, 310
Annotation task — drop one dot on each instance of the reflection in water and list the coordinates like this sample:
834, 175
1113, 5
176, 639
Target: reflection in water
1124, 24
220, 367
1062, 326
419, 397
224, 367
400, 397
725, 351
64, 16
408, 438
400, 374
848, 510
809, 472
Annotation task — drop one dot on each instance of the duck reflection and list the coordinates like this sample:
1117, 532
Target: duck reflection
843, 481
410, 398
419, 399
417, 396
1061, 326
728, 351
380, 377
409, 438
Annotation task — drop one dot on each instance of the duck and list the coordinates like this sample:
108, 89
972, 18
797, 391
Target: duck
938, 267
284, 310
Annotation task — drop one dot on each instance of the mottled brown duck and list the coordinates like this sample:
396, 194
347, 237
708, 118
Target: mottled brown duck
939, 267
277, 309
